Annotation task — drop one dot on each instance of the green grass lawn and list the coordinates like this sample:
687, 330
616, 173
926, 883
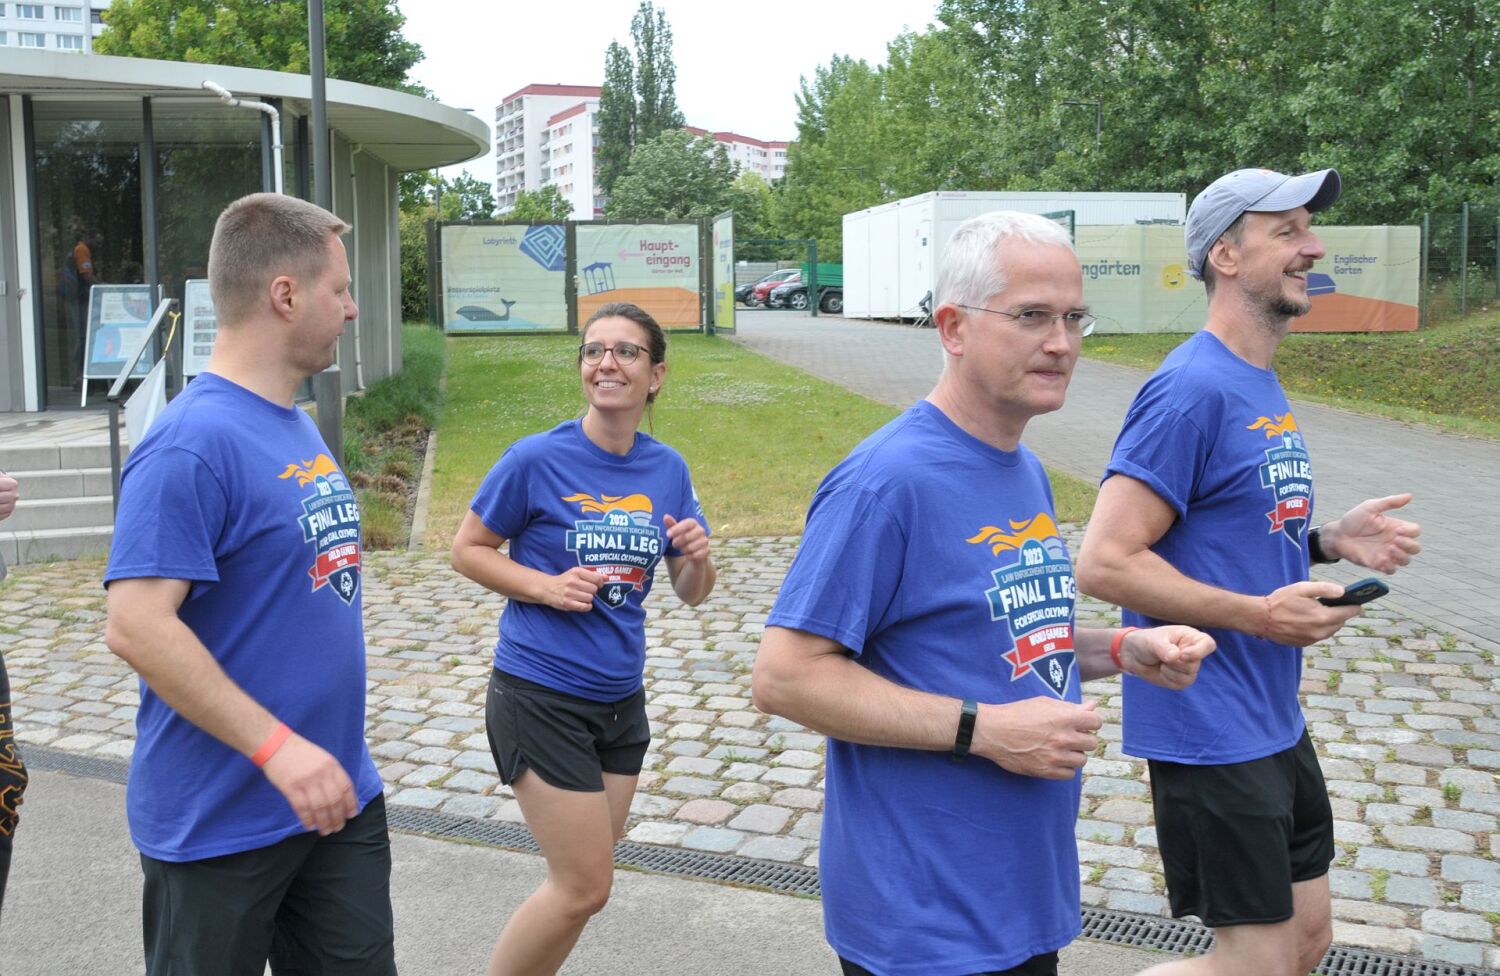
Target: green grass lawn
758, 435
1446, 375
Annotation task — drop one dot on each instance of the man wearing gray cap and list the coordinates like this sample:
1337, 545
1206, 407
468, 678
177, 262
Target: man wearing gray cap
1205, 518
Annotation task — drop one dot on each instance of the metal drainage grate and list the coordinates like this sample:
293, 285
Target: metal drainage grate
58, 761
1354, 962
1103, 925
796, 879
1147, 931
1174, 935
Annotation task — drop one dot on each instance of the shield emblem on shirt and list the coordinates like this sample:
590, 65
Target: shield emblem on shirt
346, 584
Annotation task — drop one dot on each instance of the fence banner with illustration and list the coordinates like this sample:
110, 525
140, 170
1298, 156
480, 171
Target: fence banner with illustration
655, 266
503, 277
1135, 279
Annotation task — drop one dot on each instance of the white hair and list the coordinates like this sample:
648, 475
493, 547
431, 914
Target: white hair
971, 271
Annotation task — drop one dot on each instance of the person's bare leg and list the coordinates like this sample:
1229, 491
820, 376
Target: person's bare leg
576, 832
1290, 948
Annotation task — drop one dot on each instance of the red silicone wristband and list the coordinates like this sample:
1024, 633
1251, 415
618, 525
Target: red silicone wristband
1114, 646
273, 742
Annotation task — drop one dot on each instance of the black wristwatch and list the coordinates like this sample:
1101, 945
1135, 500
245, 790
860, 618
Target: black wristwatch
965, 729
1315, 547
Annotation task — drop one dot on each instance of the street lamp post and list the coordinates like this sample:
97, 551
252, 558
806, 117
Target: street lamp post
327, 385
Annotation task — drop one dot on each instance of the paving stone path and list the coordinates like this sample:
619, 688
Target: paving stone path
1406, 721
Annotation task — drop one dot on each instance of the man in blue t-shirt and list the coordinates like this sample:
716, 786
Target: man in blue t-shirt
1205, 518
234, 591
928, 616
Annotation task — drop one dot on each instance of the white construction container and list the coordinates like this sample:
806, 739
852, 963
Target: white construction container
891, 252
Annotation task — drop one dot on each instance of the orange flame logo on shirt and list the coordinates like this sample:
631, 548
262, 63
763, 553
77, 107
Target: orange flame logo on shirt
636, 503
1283, 425
1038, 529
307, 471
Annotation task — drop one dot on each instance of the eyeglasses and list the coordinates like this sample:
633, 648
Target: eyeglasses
1039, 320
625, 352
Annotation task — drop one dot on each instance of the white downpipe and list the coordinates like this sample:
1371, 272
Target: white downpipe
359, 367
228, 98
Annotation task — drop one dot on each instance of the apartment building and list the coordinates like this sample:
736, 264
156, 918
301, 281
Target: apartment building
545, 135
71, 25
755, 155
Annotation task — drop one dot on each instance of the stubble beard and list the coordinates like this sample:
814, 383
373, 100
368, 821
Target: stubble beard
1274, 311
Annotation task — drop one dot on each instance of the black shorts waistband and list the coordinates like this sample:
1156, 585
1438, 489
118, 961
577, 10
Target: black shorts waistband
522, 684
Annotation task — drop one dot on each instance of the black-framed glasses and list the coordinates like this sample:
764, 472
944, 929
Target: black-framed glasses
625, 353
1039, 320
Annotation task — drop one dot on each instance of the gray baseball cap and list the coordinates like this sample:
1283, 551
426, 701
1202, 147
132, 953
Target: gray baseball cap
1260, 190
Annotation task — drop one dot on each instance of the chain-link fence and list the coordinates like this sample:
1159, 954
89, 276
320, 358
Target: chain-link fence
1460, 263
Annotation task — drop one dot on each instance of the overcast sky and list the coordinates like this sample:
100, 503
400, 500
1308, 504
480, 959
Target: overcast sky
738, 64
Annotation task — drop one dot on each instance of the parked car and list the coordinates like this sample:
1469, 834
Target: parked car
746, 294
793, 295
761, 294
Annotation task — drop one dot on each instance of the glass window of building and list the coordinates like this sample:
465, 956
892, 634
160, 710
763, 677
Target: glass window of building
207, 155
96, 15
70, 42
88, 193
29, 11
26, 39
68, 15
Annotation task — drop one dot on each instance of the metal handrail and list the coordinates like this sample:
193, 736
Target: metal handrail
115, 392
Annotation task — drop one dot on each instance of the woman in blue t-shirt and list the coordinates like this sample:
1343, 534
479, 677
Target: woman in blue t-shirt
589, 508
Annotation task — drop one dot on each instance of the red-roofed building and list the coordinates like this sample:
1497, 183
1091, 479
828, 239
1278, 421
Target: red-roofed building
545, 136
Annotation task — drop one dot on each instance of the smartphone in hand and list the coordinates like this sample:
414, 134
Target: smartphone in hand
1356, 594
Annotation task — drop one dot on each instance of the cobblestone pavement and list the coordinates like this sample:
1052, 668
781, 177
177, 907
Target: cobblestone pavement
1407, 724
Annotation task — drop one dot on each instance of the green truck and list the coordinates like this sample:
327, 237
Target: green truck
830, 288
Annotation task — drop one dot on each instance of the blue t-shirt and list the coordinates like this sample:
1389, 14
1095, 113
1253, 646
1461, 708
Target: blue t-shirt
936, 560
239, 496
564, 501
1214, 437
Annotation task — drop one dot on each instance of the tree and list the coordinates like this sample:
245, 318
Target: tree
674, 177
655, 74
638, 100
838, 163
467, 198
464, 198
616, 118
548, 203
364, 42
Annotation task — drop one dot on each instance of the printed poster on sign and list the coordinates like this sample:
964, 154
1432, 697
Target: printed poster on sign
724, 272
655, 266
118, 316
199, 326
503, 278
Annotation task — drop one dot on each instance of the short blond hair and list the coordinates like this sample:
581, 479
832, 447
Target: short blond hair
256, 239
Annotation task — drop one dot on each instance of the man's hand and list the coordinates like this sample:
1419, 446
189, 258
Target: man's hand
1293, 615
687, 537
10, 493
1368, 536
574, 590
1168, 656
314, 784
1039, 737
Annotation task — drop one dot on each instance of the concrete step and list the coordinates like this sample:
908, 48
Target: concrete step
62, 483
21, 548
60, 513
58, 457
